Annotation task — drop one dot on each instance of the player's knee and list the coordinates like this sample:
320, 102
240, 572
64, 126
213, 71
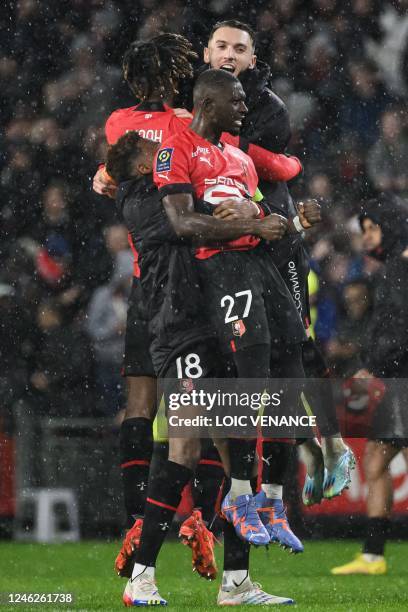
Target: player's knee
376, 464
141, 397
185, 452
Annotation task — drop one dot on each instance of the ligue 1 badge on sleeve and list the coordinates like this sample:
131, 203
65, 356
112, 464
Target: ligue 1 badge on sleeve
163, 163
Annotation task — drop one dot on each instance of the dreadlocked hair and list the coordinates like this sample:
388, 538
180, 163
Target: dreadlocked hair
158, 64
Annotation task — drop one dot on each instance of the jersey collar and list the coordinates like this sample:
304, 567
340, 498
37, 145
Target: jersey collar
151, 106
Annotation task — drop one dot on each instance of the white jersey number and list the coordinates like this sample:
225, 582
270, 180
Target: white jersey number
229, 301
192, 368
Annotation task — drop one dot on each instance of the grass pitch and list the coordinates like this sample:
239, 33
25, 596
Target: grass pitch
85, 569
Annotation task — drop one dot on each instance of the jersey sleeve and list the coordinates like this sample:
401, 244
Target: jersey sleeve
269, 166
113, 130
171, 170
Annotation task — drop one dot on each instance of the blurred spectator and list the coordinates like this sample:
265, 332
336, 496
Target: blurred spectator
360, 113
343, 351
387, 160
61, 365
13, 347
389, 51
106, 325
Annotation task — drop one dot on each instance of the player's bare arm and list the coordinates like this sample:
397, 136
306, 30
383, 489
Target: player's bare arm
243, 208
204, 229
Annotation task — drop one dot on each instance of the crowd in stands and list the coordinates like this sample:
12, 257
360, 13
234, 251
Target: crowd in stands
341, 67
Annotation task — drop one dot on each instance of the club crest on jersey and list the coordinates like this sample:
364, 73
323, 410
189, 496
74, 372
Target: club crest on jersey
238, 328
163, 163
187, 385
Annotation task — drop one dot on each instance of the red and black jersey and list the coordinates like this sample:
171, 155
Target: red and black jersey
154, 121
187, 163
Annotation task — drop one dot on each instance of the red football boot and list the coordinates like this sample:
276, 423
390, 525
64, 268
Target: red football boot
123, 562
194, 533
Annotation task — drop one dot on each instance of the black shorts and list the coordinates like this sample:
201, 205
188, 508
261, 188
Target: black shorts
247, 300
200, 361
295, 271
137, 361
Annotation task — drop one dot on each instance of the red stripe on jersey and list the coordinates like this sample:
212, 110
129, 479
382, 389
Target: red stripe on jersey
233, 347
210, 462
136, 269
161, 504
134, 462
221, 194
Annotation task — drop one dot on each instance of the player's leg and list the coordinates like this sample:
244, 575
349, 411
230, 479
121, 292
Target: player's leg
136, 443
136, 431
163, 497
276, 454
239, 506
338, 458
208, 482
232, 289
197, 531
377, 458
236, 586
209, 476
164, 491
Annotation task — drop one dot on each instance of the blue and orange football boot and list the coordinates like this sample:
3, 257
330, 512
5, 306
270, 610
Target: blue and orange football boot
273, 516
242, 513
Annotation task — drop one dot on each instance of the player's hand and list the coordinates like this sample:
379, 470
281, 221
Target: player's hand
309, 213
182, 113
242, 208
273, 227
103, 184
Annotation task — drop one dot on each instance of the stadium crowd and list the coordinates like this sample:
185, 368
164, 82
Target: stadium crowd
66, 268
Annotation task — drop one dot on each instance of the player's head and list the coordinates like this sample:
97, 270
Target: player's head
156, 66
131, 157
231, 47
384, 224
219, 100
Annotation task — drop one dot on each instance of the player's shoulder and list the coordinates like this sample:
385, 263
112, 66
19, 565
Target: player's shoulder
230, 149
121, 113
183, 138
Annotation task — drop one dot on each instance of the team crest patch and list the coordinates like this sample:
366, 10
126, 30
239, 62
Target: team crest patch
187, 385
238, 328
163, 163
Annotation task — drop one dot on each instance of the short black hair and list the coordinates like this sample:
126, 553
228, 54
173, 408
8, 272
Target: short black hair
212, 81
158, 63
237, 25
121, 154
